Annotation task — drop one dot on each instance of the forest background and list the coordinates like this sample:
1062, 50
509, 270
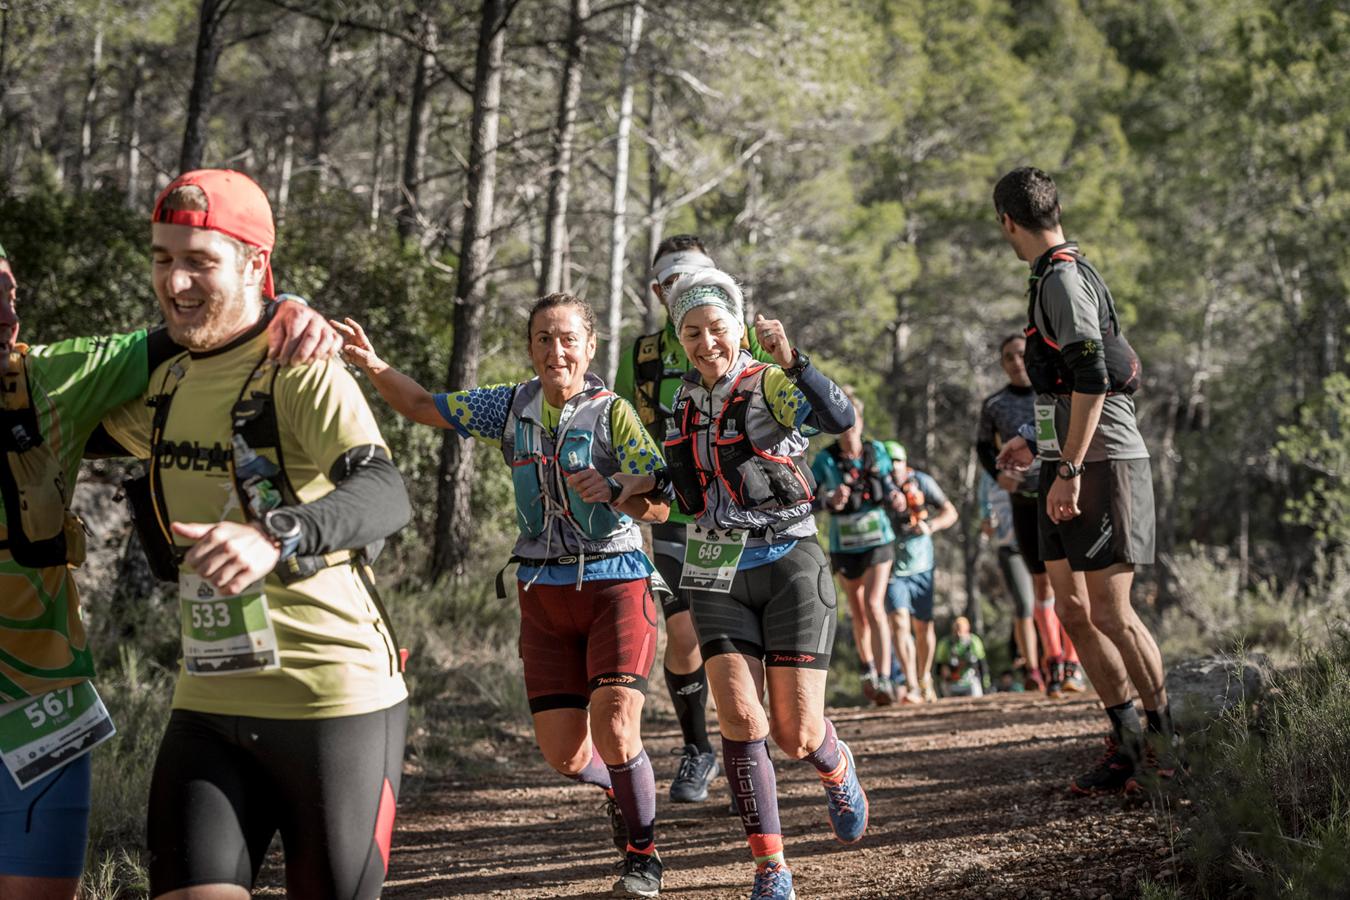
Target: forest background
435, 166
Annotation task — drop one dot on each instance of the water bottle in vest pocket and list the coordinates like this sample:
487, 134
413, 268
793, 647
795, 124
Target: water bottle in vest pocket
574, 455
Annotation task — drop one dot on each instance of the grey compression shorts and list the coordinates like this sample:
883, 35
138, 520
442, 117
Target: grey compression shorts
782, 612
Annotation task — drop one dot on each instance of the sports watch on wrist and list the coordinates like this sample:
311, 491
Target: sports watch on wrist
1068, 470
283, 526
799, 363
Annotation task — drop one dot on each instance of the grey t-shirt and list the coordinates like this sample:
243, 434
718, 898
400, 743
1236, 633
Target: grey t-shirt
1070, 307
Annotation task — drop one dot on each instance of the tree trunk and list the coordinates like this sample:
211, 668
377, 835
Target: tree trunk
618, 237
133, 131
287, 166
323, 108
970, 543
377, 147
656, 227
419, 116
87, 110
454, 485
212, 16
901, 332
560, 167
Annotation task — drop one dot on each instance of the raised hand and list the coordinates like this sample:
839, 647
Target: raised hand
356, 347
773, 338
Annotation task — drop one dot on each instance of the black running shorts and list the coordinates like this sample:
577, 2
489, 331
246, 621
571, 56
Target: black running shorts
783, 612
855, 565
1024, 522
1115, 524
224, 785
668, 539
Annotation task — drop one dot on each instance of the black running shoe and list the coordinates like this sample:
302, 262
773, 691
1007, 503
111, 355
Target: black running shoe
1111, 775
1164, 759
641, 875
697, 770
618, 828
1073, 678
1054, 684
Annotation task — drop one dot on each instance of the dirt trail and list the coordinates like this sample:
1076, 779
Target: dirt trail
967, 798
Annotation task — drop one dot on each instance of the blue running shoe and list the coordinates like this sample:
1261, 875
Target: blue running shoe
773, 881
847, 802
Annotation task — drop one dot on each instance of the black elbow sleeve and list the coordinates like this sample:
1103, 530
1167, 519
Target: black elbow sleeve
368, 503
832, 410
1087, 361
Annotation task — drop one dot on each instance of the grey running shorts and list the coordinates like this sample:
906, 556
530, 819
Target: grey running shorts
1115, 524
782, 612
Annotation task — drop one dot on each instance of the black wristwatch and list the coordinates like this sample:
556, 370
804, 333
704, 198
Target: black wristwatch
283, 526
799, 363
1068, 470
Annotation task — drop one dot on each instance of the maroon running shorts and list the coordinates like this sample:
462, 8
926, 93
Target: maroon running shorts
574, 641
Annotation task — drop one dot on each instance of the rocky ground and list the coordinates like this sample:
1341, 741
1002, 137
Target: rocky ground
968, 799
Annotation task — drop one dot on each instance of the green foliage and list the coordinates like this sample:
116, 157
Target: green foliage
1320, 444
137, 695
1272, 818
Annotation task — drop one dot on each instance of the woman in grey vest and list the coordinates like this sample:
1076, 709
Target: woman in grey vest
761, 593
583, 469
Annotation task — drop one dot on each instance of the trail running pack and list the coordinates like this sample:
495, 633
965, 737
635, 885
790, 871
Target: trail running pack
258, 470
866, 486
1045, 365
42, 529
754, 480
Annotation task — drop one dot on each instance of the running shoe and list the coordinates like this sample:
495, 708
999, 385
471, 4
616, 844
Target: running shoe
696, 772
1073, 678
885, 692
641, 875
846, 801
929, 695
773, 881
1163, 761
1112, 773
1054, 685
618, 828
869, 687
1033, 681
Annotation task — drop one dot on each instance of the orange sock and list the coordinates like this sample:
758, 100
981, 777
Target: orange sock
765, 847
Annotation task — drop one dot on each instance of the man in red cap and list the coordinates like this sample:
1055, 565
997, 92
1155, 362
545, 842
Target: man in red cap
51, 400
267, 485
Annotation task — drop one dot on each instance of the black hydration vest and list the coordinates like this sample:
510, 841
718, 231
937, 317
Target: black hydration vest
866, 487
1045, 365
754, 480
21, 437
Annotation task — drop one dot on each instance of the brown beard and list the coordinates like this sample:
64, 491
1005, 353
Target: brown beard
224, 317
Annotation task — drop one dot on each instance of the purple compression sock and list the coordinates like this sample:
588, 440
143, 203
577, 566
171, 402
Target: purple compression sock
826, 757
596, 772
635, 792
750, 772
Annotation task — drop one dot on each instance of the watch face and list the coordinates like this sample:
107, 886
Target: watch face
281, 523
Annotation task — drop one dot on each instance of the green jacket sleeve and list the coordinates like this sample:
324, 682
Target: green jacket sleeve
625, 379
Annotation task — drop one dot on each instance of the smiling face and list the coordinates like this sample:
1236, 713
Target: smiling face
710, 340
209, 287
561, 349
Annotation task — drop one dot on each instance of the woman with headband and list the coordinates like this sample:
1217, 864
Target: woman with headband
761, 593
648, 377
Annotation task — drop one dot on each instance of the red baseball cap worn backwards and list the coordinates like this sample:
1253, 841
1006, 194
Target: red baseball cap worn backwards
235, 206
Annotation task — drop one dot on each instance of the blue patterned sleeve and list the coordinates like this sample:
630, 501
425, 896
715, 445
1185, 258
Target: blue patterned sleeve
478, 412
634, 448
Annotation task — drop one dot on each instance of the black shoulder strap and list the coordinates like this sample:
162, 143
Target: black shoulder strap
159, 404
647, 372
